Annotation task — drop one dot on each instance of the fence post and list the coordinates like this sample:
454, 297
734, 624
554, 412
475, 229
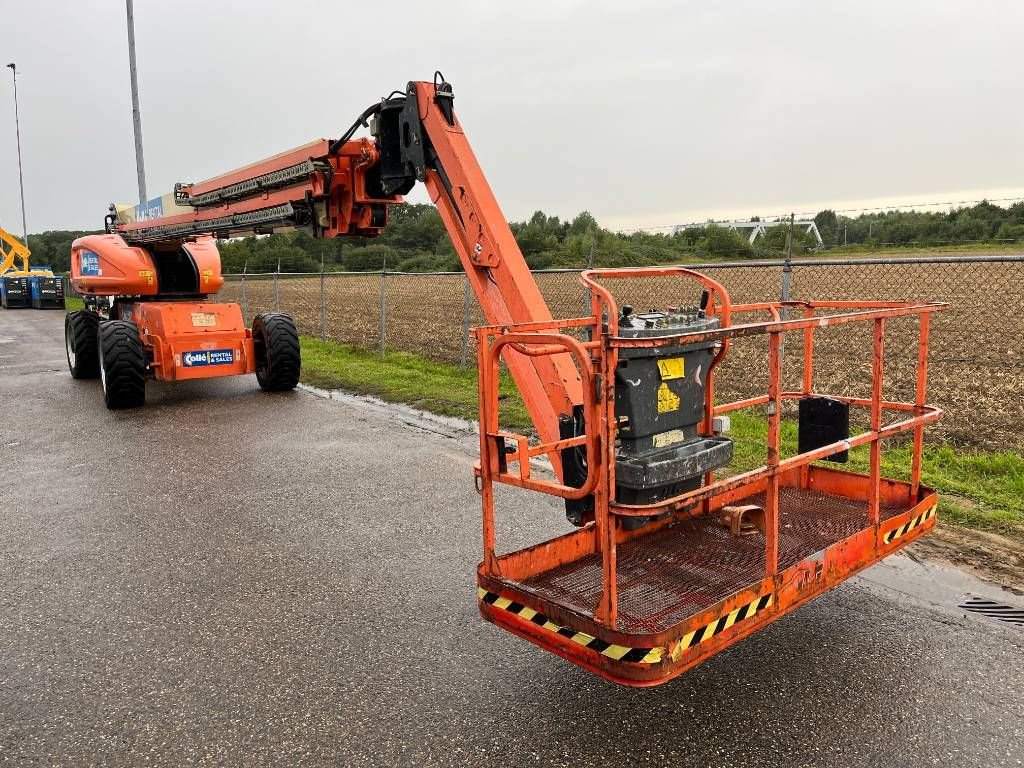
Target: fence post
277, 288
245, 302
383, 308
586, 291
323, 302
465, 326
787, 267
787, 281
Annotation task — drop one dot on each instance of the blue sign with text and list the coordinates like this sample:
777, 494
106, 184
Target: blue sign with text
213, 357
90, 264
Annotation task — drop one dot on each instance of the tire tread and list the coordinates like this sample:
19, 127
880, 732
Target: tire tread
124, 361
284, 356
83, 326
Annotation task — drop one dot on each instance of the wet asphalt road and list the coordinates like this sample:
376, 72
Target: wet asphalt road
227, 577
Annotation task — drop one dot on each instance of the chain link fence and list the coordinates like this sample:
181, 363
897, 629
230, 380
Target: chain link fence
976, 357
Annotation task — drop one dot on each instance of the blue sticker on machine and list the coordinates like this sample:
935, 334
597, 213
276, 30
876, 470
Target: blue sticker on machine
213, 357
90, 264
151, 209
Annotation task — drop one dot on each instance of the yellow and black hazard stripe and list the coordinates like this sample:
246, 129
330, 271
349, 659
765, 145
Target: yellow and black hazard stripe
722, 623
611, 650
895, 533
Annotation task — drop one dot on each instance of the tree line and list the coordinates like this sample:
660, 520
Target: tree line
415, 241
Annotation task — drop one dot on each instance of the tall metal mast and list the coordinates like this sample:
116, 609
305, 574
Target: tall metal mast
140, 164
17, 131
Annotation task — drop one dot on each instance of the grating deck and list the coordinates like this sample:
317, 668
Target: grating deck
673, 573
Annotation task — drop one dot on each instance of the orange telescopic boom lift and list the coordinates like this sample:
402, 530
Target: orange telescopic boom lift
669, 563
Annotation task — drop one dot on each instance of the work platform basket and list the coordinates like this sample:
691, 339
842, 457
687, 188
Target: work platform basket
713, 564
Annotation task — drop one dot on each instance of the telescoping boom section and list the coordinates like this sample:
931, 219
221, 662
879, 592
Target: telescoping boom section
677, 553
13, 252
344, 187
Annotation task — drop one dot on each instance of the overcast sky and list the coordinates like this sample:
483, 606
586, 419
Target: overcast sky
644, 113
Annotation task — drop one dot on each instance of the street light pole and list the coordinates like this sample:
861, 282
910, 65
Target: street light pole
140, 164
17, 131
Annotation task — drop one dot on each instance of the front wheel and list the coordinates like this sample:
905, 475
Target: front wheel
122, 364
81, 329
275, 343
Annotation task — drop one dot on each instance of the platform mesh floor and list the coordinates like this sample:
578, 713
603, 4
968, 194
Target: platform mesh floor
673, 573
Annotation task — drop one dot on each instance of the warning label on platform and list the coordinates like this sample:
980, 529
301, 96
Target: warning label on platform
668, 400
671, 368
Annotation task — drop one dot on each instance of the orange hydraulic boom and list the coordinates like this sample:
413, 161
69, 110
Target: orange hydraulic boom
344, 187
669, 564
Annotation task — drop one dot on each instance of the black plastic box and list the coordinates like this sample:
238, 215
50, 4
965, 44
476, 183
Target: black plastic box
824, 421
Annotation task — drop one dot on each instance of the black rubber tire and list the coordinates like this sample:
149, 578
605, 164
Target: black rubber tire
81, 330
122, 364
275, 344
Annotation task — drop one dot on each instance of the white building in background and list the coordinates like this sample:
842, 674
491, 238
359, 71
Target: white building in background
754, 228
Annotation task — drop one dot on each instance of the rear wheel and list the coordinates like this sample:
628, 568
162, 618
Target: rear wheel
275, 344
80, 339
122, 364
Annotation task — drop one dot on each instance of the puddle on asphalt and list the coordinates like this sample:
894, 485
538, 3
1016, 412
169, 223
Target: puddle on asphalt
937, 585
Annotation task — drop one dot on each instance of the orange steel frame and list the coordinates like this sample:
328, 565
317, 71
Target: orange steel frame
167, 330
556, 372
500, 277
497, 271
597, 360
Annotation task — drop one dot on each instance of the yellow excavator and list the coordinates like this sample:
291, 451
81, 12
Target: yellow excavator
22, 285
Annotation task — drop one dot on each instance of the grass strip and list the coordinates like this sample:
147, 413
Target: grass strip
983, 490
402, 377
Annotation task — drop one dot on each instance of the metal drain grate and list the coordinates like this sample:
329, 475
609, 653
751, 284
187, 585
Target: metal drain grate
1006, 613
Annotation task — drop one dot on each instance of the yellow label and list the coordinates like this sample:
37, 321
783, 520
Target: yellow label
671, 437
667, 399
203, 319
146, 275
207, 273
671, 368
